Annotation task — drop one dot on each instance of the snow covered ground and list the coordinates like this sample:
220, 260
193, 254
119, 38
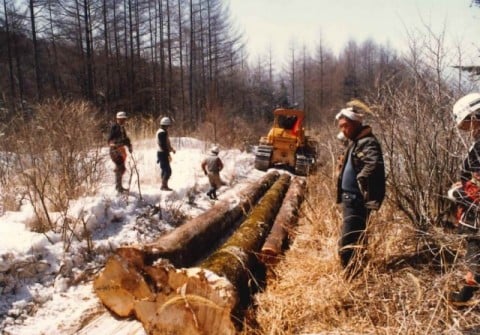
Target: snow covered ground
47, 290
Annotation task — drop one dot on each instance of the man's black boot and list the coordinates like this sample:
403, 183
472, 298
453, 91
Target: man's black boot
462, 297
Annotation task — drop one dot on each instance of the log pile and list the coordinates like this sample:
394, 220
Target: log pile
197, 300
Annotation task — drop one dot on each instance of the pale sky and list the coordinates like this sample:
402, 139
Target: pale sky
276, 23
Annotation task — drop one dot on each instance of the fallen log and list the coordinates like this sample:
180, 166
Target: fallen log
236, 258
284, 223
191, 241
196, 300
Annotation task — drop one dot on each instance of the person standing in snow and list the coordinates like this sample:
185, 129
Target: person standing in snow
163, 152
211, 166
118, 142
466, 193
361, 181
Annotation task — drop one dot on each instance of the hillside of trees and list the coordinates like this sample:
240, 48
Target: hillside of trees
187, 60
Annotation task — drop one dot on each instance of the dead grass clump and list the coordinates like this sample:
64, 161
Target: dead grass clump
400, 289
173, 213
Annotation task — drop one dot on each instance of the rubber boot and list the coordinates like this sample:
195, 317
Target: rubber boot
165, 185
462, 297
118, 182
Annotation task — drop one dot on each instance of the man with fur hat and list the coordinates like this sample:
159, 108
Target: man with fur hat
118, 141
361, 181
211, 166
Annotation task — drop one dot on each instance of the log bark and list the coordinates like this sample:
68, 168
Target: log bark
285, 222
188, 243
195, 300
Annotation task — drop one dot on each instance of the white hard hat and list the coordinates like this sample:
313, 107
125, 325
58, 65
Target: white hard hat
214, 150
465, 107
121, 115
165, 121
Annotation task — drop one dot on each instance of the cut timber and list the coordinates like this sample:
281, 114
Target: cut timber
196, 300
120, 285
284, 222
188, 243
193, 301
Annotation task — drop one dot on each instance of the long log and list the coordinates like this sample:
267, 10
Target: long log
236, 258
196, 300
190, 242
282, 229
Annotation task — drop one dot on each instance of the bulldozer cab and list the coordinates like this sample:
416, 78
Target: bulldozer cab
288, 118
287, 123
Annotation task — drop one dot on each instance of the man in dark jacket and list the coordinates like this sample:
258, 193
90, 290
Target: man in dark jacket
118, 141
163, 152
466, 112
361, 181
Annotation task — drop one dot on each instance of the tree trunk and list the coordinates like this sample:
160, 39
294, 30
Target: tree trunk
10, 58
89, 55
180, 55
189, 242
36, 52
284, 222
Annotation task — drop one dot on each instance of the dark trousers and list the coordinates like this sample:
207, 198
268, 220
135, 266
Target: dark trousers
473, 256
355, 217
162, 159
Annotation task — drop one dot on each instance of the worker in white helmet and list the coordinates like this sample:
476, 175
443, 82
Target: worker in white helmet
466, 194
211, 166
118, 141
163, 152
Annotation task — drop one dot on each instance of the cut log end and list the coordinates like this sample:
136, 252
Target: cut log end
120, 285
197, 301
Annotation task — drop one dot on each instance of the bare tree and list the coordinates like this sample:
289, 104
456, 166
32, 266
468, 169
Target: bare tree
36, 52
419, 138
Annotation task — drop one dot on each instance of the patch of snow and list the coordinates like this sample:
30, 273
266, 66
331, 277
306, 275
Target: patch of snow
46, 285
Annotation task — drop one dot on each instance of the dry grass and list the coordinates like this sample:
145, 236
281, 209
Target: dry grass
400, 289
